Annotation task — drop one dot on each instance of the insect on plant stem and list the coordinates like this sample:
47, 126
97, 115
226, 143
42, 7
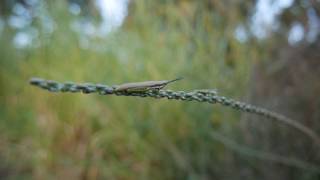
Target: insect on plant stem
143, 86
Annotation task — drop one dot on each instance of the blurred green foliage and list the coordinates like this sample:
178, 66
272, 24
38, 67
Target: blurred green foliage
54, 136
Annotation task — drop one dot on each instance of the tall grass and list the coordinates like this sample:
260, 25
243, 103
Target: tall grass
44, 135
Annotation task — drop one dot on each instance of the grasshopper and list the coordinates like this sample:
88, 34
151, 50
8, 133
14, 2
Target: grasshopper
143, 86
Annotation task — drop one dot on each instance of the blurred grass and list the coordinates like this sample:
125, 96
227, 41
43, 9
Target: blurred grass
53, 136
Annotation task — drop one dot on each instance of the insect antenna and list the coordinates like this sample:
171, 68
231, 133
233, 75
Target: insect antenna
177, 79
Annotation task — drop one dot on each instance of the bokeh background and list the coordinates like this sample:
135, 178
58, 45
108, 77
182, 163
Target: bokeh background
264, 52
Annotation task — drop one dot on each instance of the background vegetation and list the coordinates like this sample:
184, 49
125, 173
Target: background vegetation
57, 136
